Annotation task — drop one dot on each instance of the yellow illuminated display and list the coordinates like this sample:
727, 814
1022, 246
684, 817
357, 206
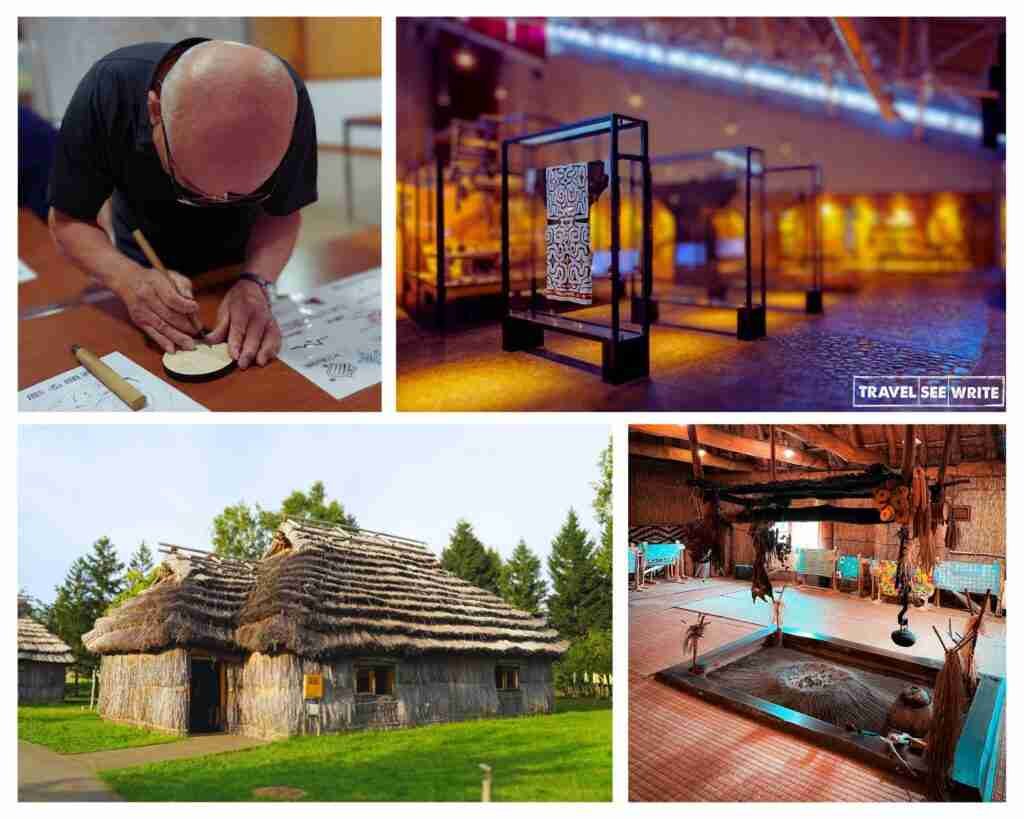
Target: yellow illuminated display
859, 233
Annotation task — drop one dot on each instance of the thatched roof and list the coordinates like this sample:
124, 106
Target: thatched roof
37, 644
321, 591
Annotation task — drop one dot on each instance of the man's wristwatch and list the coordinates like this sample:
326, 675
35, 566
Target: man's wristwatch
265, 285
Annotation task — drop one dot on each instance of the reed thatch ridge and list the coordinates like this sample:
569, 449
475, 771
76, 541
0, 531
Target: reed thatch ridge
39, 645
321, 591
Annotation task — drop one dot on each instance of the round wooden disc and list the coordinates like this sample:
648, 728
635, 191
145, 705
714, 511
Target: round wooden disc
204, 363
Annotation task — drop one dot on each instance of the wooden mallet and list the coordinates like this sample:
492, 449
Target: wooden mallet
109, 377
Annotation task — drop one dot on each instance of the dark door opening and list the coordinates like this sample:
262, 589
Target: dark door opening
204, 702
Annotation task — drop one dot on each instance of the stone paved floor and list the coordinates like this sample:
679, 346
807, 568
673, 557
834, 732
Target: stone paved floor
894, 325
684, 749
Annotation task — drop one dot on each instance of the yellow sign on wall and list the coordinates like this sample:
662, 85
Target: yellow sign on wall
312, 686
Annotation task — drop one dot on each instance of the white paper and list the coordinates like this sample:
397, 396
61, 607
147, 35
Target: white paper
25, 273
331, 334
78, 390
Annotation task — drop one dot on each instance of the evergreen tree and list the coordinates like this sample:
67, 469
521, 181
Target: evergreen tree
71, 614
466, 557
141, 560
577, 602
105, 577
33, 607
246, 531
521, 584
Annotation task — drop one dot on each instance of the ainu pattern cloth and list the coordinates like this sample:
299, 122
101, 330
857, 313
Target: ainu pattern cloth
656, 533
568, 234
957, 575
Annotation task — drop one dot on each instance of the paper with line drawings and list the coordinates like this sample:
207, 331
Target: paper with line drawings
78, 390
331, 334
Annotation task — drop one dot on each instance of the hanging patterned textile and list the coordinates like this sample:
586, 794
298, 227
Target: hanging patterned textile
569, 192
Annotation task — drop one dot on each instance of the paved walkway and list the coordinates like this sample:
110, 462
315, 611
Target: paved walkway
46, 776
186, 749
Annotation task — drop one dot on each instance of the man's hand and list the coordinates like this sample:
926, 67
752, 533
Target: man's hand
162, 310
245, 320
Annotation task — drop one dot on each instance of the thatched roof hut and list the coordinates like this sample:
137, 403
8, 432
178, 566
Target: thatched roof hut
42, 661
394, 638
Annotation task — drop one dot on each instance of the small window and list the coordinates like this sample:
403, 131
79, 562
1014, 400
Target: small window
375, 680
506, 678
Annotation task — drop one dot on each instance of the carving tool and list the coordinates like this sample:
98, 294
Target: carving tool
109, 378
154, 260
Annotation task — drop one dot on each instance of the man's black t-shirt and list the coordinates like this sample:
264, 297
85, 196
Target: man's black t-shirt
106, 148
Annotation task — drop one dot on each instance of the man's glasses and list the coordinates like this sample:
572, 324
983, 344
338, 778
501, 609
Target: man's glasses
186, 196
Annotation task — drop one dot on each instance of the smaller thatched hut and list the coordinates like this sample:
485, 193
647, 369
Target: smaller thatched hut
333, 629
42, 661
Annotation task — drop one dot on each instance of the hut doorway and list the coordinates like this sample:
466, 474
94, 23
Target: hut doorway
204, 713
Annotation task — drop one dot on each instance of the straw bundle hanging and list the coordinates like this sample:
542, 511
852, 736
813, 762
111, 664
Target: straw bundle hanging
921, 520
968, 644
949, 702
954, 689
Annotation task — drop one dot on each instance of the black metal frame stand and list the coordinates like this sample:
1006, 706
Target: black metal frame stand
813, 301
751, 323
625, 353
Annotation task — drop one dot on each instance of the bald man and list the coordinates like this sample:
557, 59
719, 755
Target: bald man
207, 146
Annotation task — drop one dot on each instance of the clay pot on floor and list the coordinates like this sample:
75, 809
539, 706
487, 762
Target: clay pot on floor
911, 713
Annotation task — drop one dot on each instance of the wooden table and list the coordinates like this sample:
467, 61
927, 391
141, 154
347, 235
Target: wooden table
103, 327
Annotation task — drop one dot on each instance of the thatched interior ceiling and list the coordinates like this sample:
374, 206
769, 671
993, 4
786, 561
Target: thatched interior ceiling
812, 448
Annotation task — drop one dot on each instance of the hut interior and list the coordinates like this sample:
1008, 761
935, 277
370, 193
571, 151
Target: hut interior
332, 629
43, 659
823, 571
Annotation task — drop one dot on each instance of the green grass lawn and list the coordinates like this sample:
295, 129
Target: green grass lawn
565, 756
70, 729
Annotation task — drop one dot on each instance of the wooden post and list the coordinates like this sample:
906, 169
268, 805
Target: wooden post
890, 440
92, 690
771, 462
698, 467
485, 786
907, 469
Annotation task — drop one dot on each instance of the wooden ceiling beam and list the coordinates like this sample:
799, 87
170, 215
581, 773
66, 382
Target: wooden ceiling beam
664, 452
730, 442
817, 437
846, 32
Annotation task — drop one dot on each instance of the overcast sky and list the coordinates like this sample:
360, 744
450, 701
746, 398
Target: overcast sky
77, 483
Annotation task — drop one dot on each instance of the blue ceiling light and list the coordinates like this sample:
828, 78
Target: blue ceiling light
759, 76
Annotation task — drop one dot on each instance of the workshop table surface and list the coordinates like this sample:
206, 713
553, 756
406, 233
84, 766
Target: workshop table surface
104, 327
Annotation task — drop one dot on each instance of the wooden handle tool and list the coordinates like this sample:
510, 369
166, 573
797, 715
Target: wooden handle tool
154, 260
109, 378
